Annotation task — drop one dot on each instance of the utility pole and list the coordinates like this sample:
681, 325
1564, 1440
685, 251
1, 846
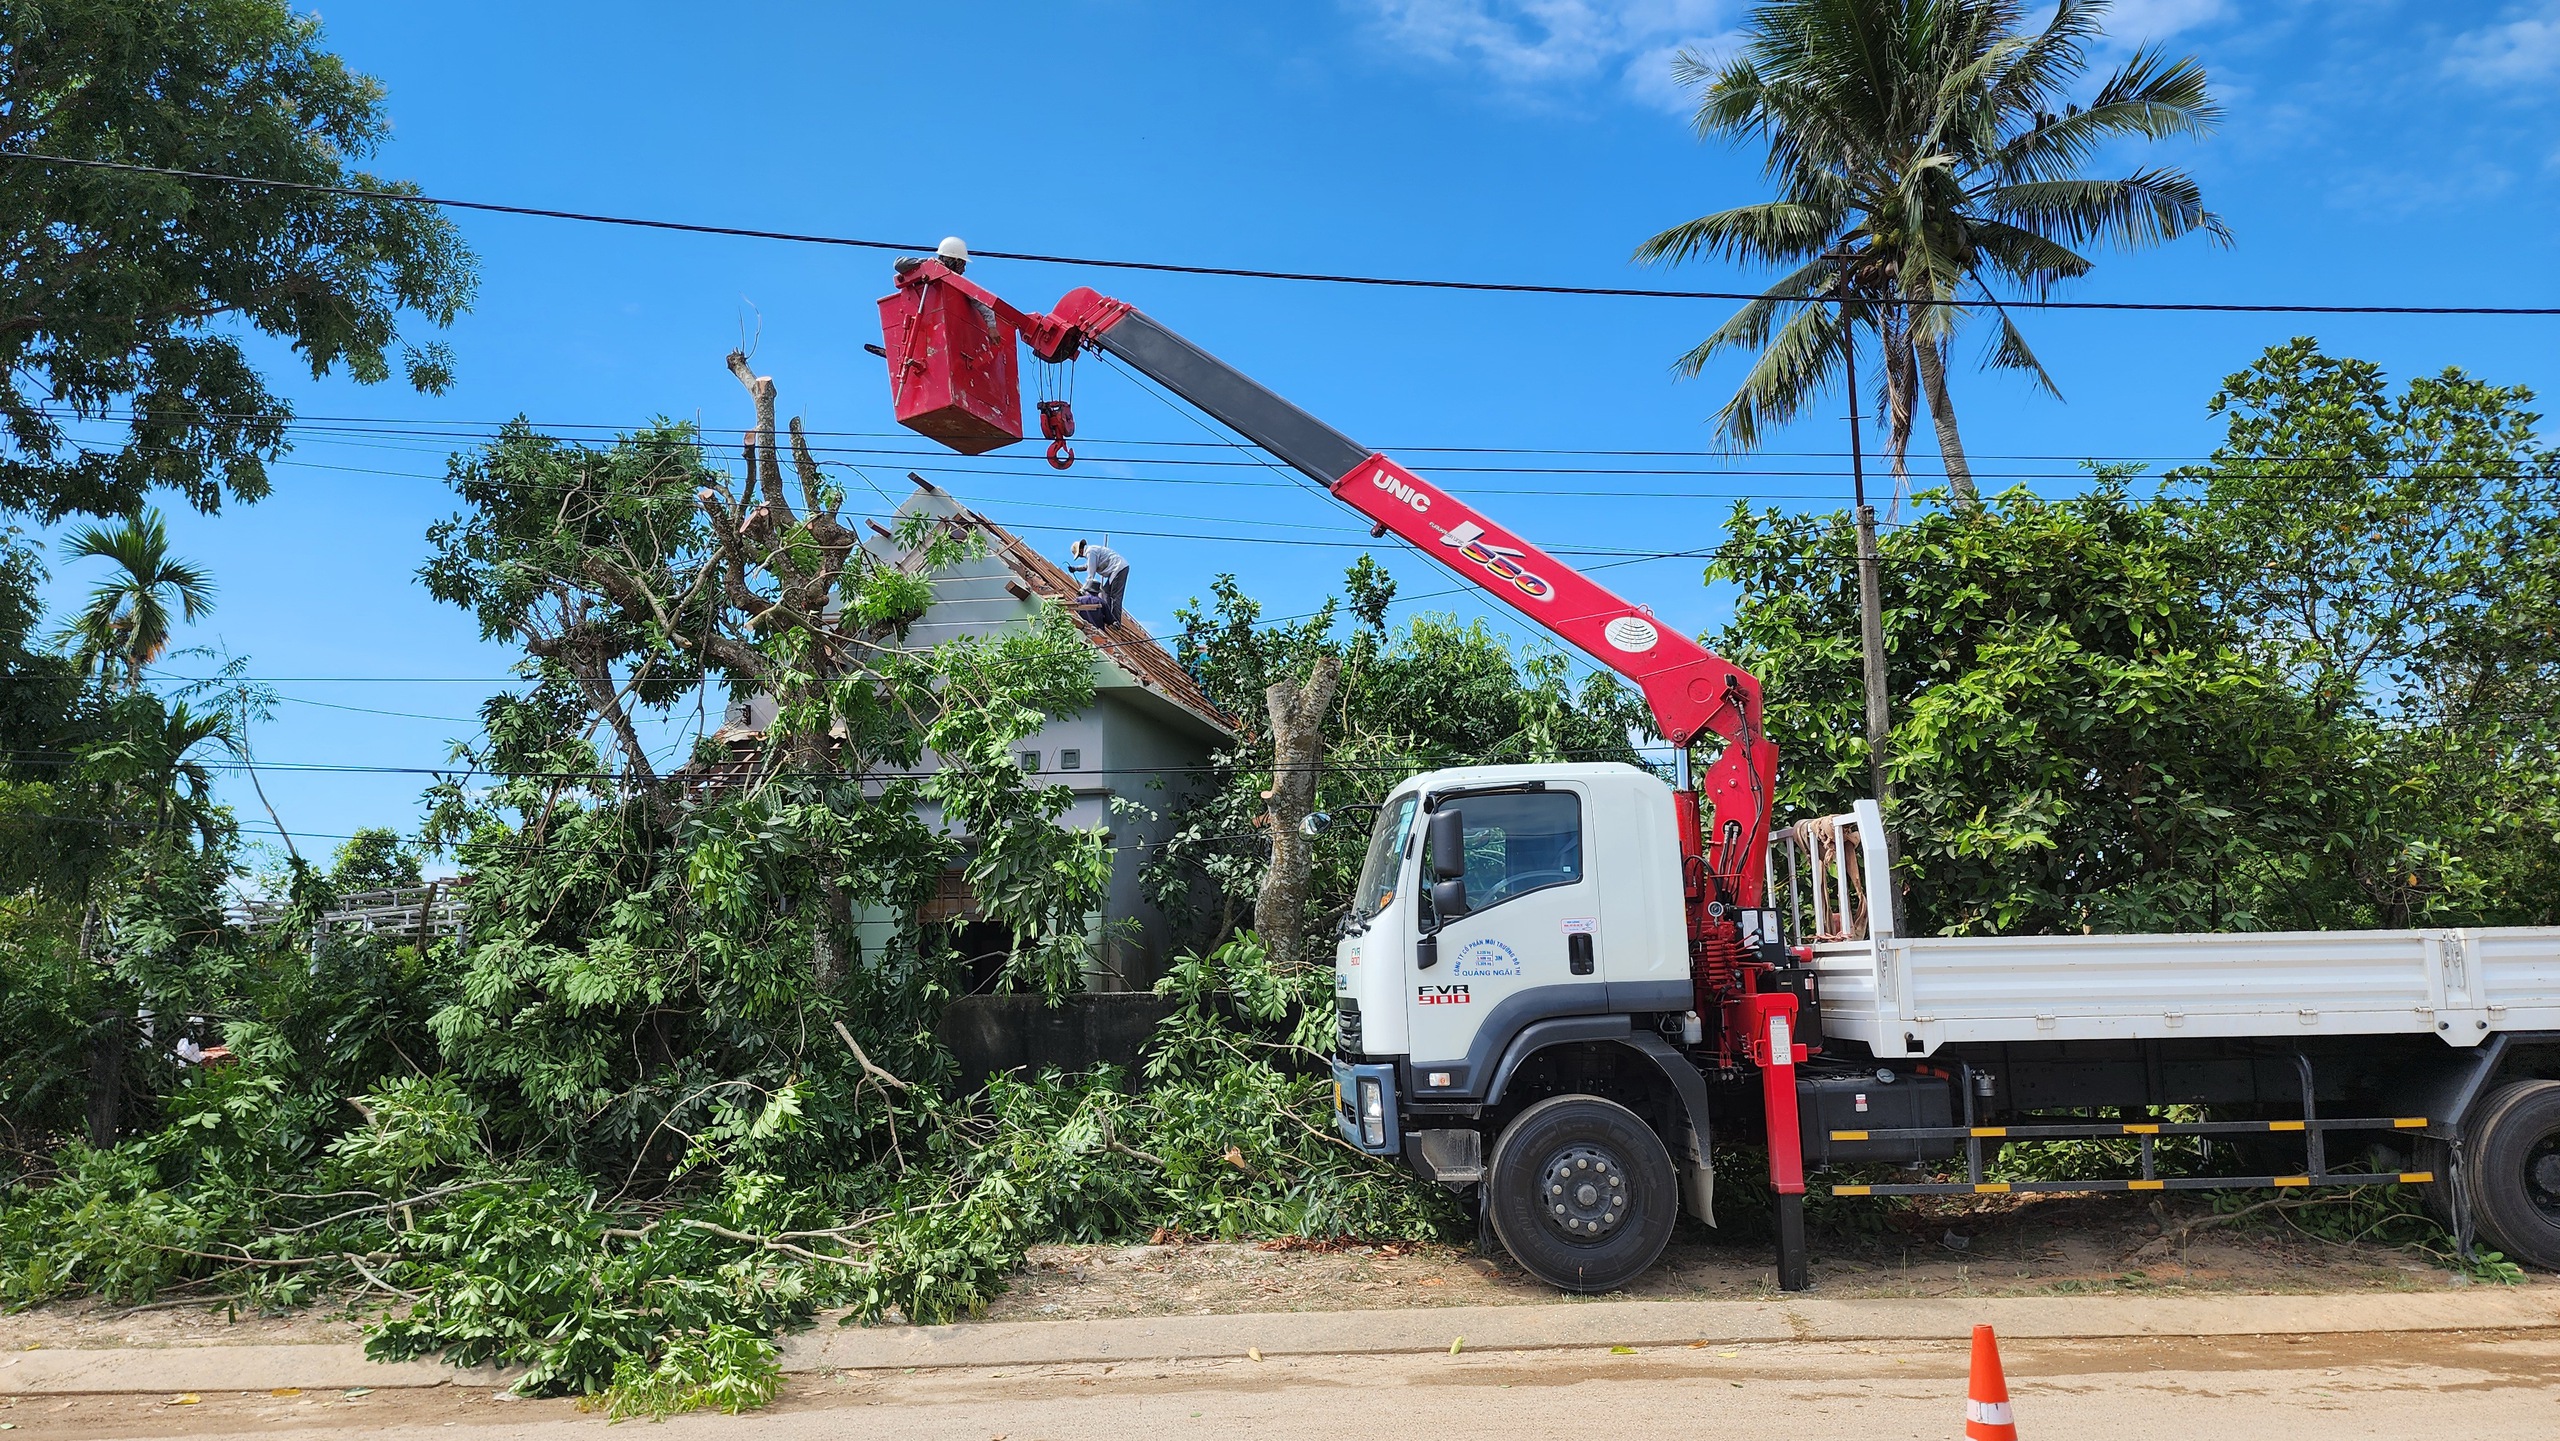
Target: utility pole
1870, 582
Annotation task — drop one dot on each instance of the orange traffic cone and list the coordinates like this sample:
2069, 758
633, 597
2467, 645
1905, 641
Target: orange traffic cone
1986, 1395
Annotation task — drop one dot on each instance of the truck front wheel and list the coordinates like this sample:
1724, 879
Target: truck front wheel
2513, 1167
1581, 1193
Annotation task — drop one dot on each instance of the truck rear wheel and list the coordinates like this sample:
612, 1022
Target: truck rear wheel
1581, 1193
2512, 1163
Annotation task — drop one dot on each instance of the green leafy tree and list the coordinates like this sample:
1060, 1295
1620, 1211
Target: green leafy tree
121, 294
2396, 554
1928, 159
44, 710
126, 623
2081, 741
152, 921
373, 859
632, 934
632, 574
2307, 686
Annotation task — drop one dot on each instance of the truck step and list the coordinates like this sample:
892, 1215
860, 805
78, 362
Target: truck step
2315, 1173
2095, 1130
2168, 1183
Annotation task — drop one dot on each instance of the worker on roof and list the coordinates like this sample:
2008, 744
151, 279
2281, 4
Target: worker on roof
1106, 581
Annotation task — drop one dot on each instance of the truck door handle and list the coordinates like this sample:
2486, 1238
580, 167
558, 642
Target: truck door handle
1577, 949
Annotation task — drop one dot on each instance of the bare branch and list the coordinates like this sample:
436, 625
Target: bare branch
864, 1057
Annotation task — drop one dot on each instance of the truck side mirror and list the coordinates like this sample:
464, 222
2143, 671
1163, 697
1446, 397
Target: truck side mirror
1449, 899
1449, 848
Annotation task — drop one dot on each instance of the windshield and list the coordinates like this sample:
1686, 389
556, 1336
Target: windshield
1386, 856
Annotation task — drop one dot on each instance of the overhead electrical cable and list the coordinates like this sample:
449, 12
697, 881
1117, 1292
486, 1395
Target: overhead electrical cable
1243, 273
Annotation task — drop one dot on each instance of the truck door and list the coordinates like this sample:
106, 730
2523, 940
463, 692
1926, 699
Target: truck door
1531, 925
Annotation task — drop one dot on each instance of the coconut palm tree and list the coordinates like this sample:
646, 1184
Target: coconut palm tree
127, 620
1927, 157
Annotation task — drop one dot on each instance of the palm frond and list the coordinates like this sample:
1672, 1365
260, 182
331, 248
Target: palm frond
2042, 67
2146, 100
1776, 230
1729, 101
2149, 207
2025, 257
2010, 351
1796, 365
1751, 326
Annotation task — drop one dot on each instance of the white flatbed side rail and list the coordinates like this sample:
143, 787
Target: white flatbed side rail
1905, 996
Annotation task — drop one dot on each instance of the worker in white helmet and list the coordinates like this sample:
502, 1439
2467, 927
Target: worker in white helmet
1106, 582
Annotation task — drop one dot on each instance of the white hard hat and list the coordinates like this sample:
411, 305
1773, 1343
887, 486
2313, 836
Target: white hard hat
953, 248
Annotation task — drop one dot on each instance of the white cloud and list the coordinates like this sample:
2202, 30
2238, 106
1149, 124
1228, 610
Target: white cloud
1555, 42
2140, 22
1533, 44
2522, 48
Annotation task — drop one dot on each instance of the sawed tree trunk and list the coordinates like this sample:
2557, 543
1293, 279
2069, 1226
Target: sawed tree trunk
1297, 716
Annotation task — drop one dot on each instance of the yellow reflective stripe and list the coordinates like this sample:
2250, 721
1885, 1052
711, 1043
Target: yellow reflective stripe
2417, 1178
2284, 1125
1853, 1190
1992, 1188
2411, 1123
2146, 1185
1990, 1130
1848, 1135
2293, 1180
2140, 1130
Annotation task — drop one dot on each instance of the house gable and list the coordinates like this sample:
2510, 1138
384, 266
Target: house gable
1006, 587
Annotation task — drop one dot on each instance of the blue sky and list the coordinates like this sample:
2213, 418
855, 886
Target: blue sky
2373, 151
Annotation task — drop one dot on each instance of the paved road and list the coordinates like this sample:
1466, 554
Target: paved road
2479, 1386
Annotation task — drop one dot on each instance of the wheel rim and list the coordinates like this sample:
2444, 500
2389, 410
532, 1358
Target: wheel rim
1583, 1194
2542, 1176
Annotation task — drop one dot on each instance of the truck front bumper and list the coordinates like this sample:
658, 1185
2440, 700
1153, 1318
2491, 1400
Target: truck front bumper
1364, 1107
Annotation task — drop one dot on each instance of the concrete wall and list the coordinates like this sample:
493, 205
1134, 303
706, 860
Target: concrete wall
988, 1034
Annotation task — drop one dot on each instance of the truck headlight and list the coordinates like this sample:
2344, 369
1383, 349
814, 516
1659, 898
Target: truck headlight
1373, 1112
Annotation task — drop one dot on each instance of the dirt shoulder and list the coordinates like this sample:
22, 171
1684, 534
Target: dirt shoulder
88, 1326
2029, 1246
2035, 1246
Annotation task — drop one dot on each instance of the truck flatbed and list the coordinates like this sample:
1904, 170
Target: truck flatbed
1911, 995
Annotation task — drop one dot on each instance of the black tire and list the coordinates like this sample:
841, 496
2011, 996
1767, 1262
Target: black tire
1617, 1215
2512, 1166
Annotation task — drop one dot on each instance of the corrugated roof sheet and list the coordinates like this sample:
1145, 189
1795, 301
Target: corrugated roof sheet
1124, 640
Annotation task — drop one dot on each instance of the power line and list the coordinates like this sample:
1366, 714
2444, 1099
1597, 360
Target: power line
1241, 273
1029, 466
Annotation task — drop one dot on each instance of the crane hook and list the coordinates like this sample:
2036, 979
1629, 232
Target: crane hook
1058, 422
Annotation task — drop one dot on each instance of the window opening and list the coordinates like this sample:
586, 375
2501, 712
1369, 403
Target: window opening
1387, 849
1517, 843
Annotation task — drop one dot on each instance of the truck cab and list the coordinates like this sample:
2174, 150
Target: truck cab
1508, 921
1567, 904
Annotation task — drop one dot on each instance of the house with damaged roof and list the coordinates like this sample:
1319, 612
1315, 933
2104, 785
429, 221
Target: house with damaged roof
1146, 740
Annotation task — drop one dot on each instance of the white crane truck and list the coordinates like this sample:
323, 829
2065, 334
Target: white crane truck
1566, 989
